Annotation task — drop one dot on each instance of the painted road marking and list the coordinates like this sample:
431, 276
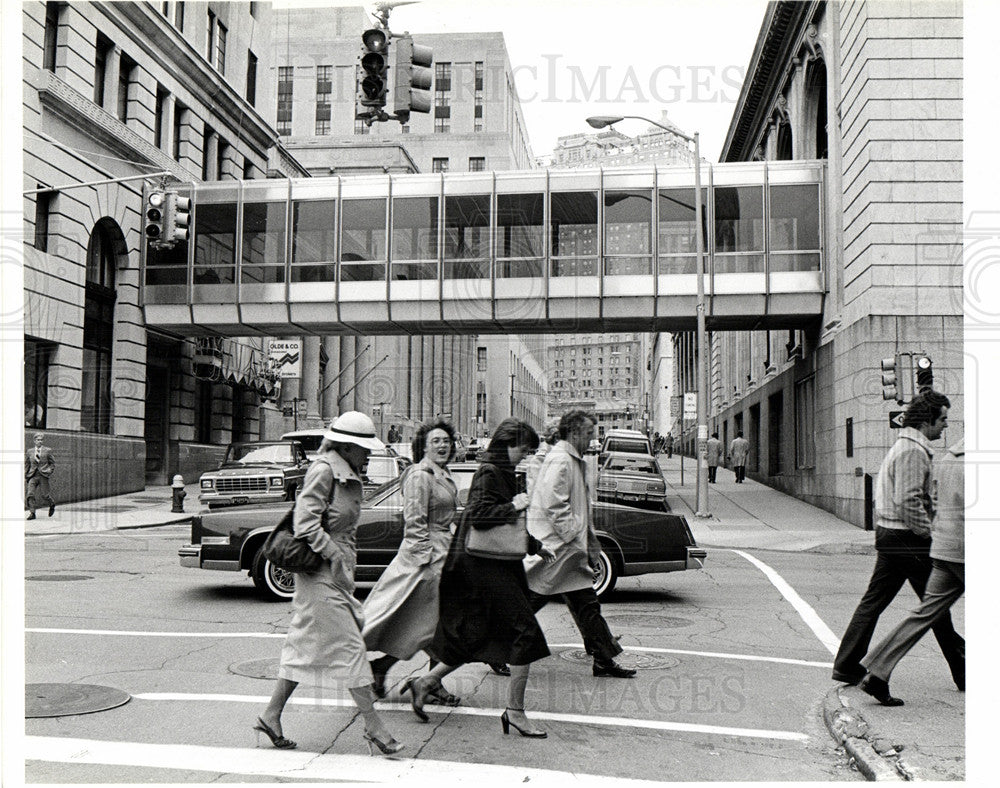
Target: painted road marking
303, 765
810, 616
220, 635
620, 722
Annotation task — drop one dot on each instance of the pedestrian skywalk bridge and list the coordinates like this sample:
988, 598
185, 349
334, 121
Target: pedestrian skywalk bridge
495, 252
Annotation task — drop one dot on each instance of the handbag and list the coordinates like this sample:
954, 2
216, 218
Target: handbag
508, 542
288, 552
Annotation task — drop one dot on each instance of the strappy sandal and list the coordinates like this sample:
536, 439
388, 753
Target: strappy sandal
279, 741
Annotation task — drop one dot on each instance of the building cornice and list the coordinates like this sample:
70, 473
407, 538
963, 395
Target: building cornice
780, 37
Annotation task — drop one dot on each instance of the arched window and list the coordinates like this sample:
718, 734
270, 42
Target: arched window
783, 151
816, 105
98, 331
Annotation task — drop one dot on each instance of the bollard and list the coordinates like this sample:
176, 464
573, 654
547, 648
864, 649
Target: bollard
178, 494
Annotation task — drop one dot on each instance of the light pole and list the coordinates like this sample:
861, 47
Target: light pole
600, 122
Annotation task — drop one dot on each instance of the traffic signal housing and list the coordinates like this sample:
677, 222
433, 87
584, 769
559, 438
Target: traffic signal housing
154, 216
924, 372
373, 89
178, 218
412, 77
890, 378
901, 376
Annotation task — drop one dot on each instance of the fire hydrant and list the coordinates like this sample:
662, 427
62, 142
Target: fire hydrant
177, 488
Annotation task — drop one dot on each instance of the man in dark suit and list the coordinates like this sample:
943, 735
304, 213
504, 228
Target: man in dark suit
38, 466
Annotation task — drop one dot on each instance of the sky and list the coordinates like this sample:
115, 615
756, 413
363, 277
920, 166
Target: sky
589, 57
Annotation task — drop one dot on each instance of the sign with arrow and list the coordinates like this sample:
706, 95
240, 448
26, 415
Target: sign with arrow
896, 419
286, 357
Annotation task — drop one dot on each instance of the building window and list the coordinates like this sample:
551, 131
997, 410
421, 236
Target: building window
248, 169
480, 359
439, 165
442, 125
37, 357
98, 334
52, 13
179, 15
206, 154
43, 208
477, 163
285, 74
221, 157
102, 52
360, 127
324, 88
161, 108
203, 412
180, 113
442, 77
220, 60
442, 107
210, 49
251, 78
404, 128
805, 425
125, 77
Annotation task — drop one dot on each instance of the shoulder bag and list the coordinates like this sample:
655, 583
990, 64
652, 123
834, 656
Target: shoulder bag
288, 552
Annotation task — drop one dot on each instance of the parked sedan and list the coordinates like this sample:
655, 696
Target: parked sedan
383, 468
255, 473
633, 541
633, 480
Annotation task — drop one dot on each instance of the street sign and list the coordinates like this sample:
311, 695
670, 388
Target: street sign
286, 356
286, 411
690, 405
896, 419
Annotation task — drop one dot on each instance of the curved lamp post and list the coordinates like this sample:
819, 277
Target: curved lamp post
603, 121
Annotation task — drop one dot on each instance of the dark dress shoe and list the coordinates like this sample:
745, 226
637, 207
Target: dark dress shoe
613, 670
879, 689
499, 668
52, 510
30, 516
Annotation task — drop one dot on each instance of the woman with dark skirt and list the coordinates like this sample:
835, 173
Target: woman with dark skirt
485, 615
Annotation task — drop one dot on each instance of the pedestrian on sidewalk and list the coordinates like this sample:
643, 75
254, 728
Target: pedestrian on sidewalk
39, 463
669, 443
485, 615
902, 539
739, 450
324, 645
401, 612
560, 518
533, 464
394, 435
713, 455
947, 580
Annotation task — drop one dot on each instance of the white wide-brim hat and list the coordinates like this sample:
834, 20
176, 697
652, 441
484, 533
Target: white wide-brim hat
354, 427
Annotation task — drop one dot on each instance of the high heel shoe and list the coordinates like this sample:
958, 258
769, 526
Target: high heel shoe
419, 694
390, 747
277, 739
380, 668
438, 696
506, 724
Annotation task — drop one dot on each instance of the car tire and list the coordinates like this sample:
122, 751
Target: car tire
606, 575
275, 584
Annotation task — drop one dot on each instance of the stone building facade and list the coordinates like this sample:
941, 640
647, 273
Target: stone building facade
113, 92
875, 89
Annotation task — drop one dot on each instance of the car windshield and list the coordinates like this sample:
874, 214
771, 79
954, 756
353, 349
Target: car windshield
626, 464
627, 445
309, 442
381, 469
252, 454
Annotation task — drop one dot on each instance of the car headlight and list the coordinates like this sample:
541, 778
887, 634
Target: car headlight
207, 484
276, 481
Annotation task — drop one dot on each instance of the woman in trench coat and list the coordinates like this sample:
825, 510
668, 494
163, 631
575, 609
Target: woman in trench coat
401, 612
324, 646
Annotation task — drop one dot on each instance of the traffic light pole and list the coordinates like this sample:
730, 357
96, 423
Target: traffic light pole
67, 187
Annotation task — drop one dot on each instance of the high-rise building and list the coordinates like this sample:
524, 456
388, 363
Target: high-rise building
611, 148
114, 93
875, 90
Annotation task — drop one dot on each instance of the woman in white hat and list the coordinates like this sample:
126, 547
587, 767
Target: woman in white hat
324, 646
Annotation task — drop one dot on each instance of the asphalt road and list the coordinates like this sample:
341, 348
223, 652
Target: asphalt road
733, 663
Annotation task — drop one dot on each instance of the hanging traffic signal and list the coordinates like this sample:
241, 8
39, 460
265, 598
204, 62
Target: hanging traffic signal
924, 372
155, 207
412, 77
178, 218
374, 75
890, 378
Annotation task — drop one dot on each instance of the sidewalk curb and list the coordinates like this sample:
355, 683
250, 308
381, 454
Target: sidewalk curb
850, 730
185, 519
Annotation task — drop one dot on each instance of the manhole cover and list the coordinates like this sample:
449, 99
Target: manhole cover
648, 621
62, 700
256, 668
627, 659
59, 577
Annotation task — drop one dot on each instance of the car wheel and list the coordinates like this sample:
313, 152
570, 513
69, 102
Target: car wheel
606, 575
276, 584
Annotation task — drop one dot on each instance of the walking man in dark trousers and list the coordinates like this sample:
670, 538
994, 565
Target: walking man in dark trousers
738, 451
902, 539
38, 467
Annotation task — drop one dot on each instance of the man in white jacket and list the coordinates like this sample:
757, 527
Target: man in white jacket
559, 517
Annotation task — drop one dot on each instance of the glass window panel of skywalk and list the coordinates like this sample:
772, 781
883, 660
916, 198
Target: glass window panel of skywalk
793, 228
467, 236
520, 235
676, 229
263, 256
574, 233
314, 225
739, 229
628, 228
362, 240
215, 243
414, 238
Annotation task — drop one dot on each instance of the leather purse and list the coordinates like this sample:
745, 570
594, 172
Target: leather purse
508, 542
288, 552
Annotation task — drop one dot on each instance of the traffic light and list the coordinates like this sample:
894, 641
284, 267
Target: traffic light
890, 378
374, 76
924, 372
178, 217
412, 78
155, 207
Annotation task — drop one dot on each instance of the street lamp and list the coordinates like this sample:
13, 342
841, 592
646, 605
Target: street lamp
603, 121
